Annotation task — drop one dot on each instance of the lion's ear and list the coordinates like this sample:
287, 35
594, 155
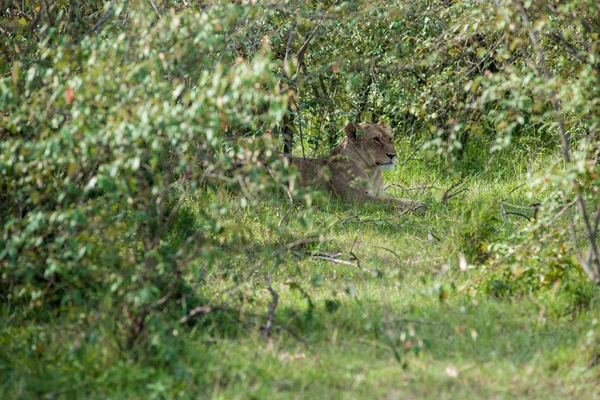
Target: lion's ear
383, 125
352, 131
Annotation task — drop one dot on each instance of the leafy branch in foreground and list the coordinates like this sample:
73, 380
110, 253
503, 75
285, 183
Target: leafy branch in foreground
104, 144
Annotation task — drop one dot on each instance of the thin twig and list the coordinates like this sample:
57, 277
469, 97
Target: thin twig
413, 153
292, 207
287, 48
304, 47
512, 190
448, 193
518, 214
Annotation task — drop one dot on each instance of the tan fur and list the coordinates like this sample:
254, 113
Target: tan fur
353, 169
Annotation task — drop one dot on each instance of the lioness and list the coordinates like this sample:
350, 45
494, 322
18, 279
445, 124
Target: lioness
353, 169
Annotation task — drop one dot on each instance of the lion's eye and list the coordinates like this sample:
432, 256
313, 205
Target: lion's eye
377, 140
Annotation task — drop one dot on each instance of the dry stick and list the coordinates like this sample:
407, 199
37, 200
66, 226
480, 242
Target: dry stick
34, 24
329, 257
335, 260
439, 175
597, 221
49, 10
560, 213
431, 236
155, 9
455, 193
302, 140
512, 190
352, 253
353, 243
448, 193
302, 51
322, 253
505, 213
487, 56
102, 20
292, 207
592, 266
271, 314
391, 251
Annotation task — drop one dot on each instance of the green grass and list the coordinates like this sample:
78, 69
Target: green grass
404, 323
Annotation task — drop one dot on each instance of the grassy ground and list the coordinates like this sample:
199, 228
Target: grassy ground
403, 321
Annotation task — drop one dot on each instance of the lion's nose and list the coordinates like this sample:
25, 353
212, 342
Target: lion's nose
391, 155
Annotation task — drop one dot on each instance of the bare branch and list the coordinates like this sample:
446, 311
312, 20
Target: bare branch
391, 251
155, 8
271, 312
102, 21
302, 51
448, 193
512, 190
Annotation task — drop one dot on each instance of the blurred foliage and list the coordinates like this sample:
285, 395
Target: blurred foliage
104, 138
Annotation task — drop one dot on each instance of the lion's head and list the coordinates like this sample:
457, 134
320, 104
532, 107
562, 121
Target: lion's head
373, 142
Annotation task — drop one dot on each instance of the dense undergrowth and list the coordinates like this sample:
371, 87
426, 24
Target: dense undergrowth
405, 319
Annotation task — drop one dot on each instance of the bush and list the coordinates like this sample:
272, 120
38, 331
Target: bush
103, 141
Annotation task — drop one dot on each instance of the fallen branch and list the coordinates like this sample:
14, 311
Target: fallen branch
325, 254
335, 260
